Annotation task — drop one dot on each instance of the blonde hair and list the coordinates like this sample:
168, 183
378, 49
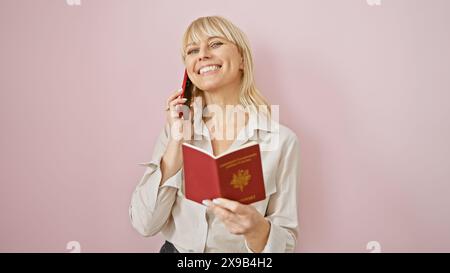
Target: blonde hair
221, 27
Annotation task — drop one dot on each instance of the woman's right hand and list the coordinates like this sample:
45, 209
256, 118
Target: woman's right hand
172, 159
179, 125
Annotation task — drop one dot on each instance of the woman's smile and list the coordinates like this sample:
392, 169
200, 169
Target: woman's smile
209, 70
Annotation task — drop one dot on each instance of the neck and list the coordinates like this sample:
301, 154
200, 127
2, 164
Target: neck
218, 100
228, 95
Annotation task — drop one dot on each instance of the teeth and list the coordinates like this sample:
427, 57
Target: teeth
208, 68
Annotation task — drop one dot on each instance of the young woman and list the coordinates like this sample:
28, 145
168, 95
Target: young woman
219, 63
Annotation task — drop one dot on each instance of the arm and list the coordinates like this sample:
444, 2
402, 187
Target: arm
154, 196
282, 208
277, 231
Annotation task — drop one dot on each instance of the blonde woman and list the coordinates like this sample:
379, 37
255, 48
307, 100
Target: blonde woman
219, 63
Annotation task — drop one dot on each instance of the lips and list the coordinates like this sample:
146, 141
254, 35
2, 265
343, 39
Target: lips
198, 70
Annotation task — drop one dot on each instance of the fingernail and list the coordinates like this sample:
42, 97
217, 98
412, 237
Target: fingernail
184, 99
216, 201
206, 202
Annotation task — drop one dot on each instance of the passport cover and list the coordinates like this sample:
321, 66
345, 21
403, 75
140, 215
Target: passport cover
236, 175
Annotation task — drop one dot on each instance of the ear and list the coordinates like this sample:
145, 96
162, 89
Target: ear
241, 65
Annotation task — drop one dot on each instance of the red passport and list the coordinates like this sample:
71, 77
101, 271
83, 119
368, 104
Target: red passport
235, 175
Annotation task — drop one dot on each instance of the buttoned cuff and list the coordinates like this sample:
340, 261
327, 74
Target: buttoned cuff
152, 179
276, 242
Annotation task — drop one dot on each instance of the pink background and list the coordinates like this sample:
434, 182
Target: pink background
366, 89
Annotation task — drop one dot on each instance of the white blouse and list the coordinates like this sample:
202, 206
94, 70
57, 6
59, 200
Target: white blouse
189, 226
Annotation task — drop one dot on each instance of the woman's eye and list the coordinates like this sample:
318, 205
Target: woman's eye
213, 45
216, 44
191, 51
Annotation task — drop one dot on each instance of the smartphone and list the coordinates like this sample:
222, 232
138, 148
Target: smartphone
187, 93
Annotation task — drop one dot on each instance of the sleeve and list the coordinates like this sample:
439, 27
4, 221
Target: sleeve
282, 207
151, 204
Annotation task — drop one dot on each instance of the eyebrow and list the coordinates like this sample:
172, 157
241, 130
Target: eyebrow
212, 37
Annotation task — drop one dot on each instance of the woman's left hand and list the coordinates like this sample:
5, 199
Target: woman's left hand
242, 219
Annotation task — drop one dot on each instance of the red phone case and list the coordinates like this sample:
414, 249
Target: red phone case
185, 79
186, 84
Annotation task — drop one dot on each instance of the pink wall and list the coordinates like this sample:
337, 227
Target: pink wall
83, 90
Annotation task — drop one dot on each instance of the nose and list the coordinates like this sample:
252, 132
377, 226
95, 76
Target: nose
203, 53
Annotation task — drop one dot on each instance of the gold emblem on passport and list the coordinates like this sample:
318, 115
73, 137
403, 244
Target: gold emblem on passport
241, 179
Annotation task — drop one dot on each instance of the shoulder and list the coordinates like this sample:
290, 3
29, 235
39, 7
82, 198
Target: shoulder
279, 139
289, 142
287, 134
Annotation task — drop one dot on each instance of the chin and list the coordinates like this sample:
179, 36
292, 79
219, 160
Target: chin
209, 87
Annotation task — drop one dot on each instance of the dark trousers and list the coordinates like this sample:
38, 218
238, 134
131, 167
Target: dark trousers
168, 247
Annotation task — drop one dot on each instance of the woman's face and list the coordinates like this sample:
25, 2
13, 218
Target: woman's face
214, 63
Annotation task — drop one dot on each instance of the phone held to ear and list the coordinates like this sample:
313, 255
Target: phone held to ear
187, 93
